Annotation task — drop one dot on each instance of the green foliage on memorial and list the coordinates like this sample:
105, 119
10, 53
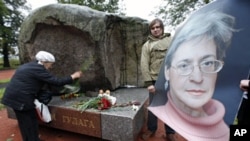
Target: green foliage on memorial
91, 103
75, 87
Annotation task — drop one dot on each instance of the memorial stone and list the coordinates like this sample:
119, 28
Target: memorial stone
110, 43
111, 46
116, 124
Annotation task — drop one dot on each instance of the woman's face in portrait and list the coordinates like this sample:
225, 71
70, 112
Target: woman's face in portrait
192, 87
156, 30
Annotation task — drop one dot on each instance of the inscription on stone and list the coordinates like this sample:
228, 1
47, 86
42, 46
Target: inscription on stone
88, 123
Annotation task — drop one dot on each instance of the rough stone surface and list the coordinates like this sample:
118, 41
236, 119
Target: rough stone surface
76, 33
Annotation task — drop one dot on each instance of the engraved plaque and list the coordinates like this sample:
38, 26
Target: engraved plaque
88, 123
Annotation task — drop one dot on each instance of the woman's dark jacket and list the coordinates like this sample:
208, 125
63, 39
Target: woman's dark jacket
27, 81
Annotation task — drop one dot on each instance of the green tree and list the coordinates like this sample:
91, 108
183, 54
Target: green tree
3, 12
11, 18
173, 12
110, 6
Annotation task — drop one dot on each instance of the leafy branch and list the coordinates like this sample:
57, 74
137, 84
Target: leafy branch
75, 87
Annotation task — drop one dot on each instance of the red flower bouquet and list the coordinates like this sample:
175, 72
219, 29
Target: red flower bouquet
104, 103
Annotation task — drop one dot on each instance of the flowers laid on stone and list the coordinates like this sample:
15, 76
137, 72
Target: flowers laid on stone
134, 107
70, 95
103, 101
69, 92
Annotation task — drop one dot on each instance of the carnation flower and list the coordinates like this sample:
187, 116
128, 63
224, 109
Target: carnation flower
102, 102
135, 108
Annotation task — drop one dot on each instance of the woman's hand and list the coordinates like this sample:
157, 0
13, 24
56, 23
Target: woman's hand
244, 84
76, 75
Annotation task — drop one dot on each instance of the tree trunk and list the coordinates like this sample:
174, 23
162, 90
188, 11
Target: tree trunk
6, 63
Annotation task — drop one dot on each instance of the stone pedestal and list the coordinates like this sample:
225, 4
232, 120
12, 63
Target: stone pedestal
122, 123
118, 124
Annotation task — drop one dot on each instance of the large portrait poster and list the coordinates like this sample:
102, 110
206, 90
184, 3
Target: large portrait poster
208, 57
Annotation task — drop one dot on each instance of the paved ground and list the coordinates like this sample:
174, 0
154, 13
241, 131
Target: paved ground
6, 74
9, 130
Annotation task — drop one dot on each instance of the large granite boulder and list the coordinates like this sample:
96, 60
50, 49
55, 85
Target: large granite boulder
109, 43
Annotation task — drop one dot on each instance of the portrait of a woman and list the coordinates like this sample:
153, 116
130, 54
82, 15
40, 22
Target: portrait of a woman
191, 68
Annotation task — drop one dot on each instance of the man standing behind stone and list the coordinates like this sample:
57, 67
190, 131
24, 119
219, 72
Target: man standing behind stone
152, 56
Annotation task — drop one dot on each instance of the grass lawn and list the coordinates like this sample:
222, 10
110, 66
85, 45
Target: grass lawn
1, 95
14, 63
2, 90
4, 81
